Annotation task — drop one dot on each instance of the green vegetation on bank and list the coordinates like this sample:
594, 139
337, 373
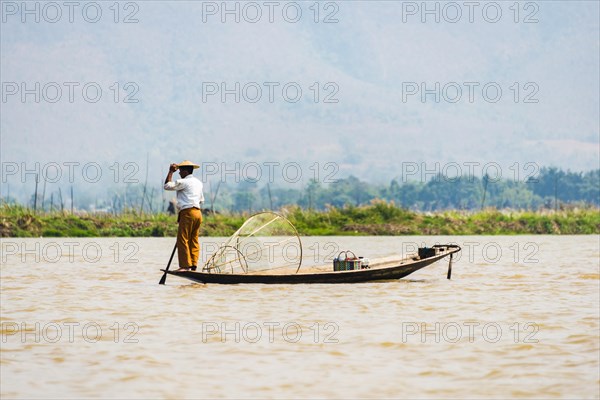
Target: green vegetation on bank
377, 218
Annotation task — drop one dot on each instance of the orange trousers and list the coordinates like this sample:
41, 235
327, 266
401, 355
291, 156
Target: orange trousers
188, 247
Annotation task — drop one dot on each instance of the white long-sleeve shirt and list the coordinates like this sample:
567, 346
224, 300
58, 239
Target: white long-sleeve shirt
189, 192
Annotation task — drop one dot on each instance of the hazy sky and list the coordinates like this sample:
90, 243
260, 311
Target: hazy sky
361, 68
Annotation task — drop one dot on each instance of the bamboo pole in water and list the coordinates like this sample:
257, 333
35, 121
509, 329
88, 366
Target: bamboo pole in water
145, 186
43, 195
62, 203
35, 194
270, 197
485, 183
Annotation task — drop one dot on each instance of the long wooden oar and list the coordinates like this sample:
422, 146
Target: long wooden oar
450, 267
164, 277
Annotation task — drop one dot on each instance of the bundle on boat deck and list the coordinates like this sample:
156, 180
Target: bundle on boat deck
381, 262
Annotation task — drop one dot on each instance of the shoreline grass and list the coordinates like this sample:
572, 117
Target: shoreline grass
377, 218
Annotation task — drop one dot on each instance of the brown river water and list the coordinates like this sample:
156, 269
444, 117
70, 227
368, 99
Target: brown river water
85, 318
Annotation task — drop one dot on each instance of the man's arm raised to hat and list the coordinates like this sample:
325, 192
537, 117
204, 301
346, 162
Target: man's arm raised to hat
172, 168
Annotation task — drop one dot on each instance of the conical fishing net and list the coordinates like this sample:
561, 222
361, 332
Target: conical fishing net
266, 241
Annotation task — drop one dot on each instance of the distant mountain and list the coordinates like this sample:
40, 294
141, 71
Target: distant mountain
367, 118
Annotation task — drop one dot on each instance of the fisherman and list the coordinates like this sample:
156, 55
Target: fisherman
189, 201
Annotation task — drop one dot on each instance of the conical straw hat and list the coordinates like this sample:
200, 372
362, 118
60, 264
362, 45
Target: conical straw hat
188, 163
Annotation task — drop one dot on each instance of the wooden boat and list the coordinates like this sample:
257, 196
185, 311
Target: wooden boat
378, 271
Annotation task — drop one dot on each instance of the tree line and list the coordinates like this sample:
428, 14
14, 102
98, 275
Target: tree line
550, 188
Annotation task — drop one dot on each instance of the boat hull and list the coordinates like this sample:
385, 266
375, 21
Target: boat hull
357, 276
